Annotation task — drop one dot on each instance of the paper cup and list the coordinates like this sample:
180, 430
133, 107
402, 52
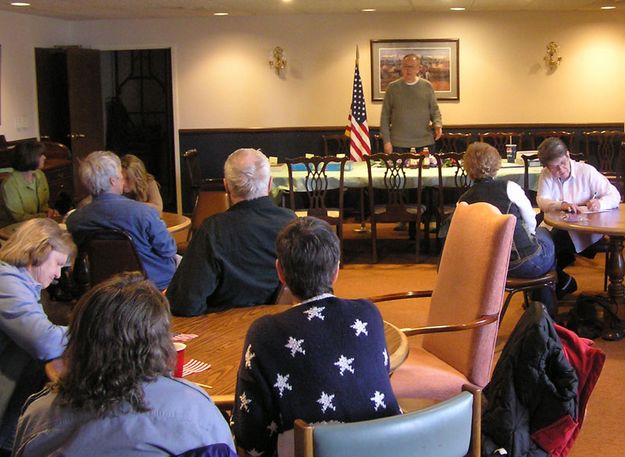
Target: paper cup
180, 347
511, 152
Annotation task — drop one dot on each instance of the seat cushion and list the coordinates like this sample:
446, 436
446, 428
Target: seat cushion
423, 375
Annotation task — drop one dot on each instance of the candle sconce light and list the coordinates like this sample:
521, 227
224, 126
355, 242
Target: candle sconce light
278, 62
551, 58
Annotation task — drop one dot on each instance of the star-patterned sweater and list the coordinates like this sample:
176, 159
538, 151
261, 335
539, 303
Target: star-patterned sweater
322, 360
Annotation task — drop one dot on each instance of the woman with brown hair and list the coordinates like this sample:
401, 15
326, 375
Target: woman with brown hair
25, 192
116, 395
532, 248
29, 261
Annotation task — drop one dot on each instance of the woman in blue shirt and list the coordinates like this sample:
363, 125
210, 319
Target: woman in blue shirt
29, 261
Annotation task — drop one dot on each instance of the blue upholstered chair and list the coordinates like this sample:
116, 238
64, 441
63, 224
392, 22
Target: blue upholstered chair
447, 429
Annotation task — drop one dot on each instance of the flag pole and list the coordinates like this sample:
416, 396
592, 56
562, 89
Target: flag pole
363, 227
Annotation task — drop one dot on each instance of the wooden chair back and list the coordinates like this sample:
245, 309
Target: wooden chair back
538, 137
454, 142
107, 252
335, 144
499, 140
603, 150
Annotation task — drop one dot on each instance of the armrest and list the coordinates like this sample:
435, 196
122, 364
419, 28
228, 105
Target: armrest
479, 322
401, 296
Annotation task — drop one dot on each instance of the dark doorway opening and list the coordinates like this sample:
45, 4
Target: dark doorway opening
137, 90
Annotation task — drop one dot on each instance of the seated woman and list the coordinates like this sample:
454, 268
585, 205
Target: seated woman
139, 184
25, 193
116, 395
29, 261
532, 248
325, 359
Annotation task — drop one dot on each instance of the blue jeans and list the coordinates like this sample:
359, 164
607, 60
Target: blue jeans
537, 264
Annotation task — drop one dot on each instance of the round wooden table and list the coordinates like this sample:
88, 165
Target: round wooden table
220, 343
174, 222
610, 223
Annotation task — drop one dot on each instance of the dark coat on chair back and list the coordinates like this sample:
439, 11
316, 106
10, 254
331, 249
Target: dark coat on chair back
533, 392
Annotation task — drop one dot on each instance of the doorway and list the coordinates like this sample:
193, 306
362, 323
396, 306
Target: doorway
138, 112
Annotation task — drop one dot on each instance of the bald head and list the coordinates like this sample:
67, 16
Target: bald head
247, 174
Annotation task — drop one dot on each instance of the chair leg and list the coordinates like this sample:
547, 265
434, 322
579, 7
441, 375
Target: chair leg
605, 271
417, 240
506, 303
374, 241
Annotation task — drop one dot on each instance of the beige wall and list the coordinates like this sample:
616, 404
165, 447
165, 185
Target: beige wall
223, 80
19, 35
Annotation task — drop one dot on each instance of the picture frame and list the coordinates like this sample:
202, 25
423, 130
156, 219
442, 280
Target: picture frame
439, 60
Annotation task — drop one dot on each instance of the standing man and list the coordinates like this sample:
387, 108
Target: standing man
230, 261
101, 173
567, 185
409, 111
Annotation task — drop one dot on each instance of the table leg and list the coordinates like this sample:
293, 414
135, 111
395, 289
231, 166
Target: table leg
616, 270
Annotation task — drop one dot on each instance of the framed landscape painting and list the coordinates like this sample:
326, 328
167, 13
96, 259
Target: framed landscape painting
439, 65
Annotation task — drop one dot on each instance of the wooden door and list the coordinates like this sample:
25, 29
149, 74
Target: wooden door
69, 92
84, 92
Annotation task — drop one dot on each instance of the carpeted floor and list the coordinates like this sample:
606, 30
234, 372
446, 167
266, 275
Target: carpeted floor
603, 432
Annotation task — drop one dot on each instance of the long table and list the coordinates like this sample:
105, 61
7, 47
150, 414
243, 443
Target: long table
357, 176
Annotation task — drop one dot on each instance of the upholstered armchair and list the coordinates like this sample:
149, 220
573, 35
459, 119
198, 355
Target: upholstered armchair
459, 340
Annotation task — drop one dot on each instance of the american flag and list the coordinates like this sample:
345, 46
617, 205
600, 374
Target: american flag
358, 130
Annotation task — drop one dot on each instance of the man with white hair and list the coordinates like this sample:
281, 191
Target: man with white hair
230, 261
101, 173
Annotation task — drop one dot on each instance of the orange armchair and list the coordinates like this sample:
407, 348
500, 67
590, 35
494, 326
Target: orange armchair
468, 293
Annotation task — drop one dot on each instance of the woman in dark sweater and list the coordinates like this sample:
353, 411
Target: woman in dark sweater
532, 248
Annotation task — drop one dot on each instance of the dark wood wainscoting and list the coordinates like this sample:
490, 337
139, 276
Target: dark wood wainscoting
214, 145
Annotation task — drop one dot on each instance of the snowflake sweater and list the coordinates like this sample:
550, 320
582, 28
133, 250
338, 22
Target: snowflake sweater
323, 360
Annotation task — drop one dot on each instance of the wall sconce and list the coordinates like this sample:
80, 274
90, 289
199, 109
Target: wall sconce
278, 62
551, 58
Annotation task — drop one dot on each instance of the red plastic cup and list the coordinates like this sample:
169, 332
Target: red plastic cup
180, 347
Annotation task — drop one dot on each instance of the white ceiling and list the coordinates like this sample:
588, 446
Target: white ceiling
109, 9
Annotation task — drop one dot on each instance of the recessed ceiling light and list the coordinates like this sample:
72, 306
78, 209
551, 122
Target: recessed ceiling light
221, 14
20, 4
608, 7
368, 10
457, 8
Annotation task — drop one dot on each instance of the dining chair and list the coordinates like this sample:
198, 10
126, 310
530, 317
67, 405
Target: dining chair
453, 142
207, 203
451, 428
335, 144
449, 188
566, 136
394, 196
316, 188
104, 253
191, 160
605, 151
499, 140
459, 339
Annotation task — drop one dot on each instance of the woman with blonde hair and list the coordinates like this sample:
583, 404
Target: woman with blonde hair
29, 261
139, 184
532, 248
